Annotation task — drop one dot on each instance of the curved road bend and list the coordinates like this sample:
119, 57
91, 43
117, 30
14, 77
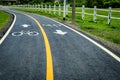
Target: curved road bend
23, 54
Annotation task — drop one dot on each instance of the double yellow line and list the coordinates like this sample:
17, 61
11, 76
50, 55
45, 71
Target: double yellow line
49, 65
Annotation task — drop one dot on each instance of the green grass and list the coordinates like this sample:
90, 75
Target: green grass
100, 28
4, 19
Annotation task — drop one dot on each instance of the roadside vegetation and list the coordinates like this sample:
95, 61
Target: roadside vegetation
100, 28
88, 3
4, 19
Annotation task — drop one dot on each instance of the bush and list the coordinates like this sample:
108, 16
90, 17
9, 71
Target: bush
115, 4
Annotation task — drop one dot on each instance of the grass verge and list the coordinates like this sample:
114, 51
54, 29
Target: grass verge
4, 19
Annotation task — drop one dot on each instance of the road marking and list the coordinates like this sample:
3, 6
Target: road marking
60, 32
49, 25
49, 65
55, 25
43, 24
8, 31
59, 25
29, 33
25, 25
92, 41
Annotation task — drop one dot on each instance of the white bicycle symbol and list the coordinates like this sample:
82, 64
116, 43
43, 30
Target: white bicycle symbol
30, 33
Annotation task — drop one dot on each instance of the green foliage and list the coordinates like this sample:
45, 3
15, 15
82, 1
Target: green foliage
98, 3
103, 3
4, 19
35, 1
0, 1
79, 3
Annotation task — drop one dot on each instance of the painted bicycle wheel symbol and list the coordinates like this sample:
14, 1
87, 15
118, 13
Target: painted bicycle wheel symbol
30, 33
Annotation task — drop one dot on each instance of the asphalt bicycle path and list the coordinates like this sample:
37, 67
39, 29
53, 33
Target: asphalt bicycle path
23, 53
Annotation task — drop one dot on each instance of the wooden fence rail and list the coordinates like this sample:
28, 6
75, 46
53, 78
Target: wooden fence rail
65, 10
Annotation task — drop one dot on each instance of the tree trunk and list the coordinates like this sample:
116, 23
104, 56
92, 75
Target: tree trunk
73, 11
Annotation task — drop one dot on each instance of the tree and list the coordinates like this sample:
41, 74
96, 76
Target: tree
73, 11
49, 0
88, 3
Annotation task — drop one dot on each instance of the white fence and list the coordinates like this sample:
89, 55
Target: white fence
59, 9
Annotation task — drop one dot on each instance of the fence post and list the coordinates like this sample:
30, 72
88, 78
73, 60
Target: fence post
95, 13
32, 6
38, 7
54, 9
64, 12
109, 15
59, 10
67, 9
28, 5
49, 9
45, 8
24, 6
42, 7
83, 12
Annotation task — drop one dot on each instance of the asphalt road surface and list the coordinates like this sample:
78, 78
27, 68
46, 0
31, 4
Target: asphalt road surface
38, 48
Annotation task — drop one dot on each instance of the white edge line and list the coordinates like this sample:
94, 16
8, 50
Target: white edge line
8, 31
92, 41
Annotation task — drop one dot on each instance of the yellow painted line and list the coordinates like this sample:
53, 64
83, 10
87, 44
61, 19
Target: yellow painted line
49, 64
